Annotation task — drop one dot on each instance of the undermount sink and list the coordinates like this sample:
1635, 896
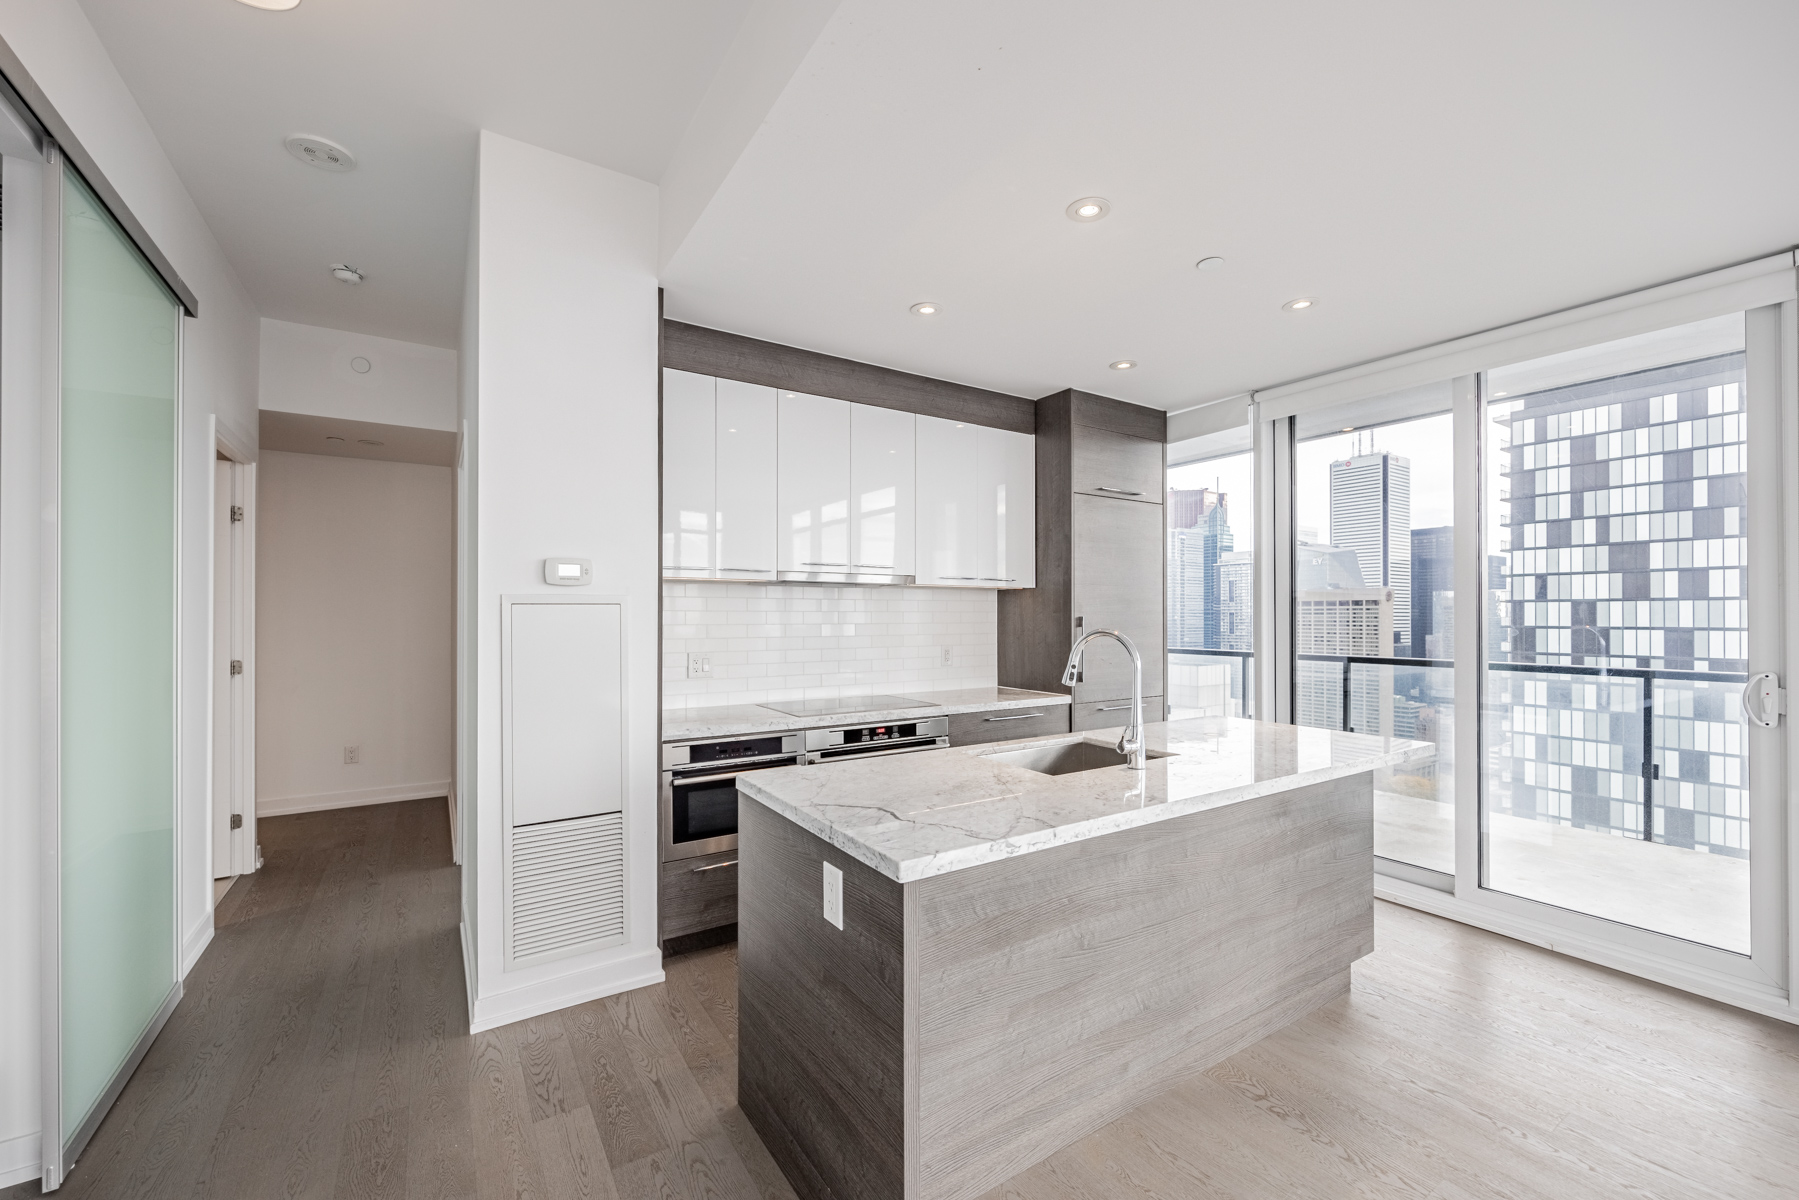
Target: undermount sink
1065, 758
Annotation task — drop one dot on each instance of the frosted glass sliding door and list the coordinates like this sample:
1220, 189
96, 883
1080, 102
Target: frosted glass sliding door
116, 654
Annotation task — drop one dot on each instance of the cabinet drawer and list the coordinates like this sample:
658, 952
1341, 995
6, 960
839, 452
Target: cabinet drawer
1117, 465
971, 729
1110, 714
698, 893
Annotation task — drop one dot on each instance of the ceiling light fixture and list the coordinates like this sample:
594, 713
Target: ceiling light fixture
1496, 395
361, 365
272, 5
319, 152
1123, 364
1304, 302
345, 273
1208, 264
1089, 208
924, 308
1348, 429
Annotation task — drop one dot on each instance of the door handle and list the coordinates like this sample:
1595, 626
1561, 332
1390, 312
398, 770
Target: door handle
1764, 699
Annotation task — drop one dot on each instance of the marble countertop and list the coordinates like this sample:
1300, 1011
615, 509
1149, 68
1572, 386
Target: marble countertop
740, 720
911, 816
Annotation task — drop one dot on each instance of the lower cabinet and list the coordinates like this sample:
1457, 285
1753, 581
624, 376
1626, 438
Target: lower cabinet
971, 729
1107, 714
698, 894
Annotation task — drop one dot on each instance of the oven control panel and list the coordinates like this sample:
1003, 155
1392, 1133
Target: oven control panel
874, 736
735, 750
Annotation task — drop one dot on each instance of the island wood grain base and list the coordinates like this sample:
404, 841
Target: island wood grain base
963, 1027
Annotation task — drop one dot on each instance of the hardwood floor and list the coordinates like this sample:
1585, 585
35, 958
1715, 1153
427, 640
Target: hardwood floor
319, 1053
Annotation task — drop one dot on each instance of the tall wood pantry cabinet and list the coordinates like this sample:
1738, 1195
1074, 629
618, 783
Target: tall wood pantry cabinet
1101, 557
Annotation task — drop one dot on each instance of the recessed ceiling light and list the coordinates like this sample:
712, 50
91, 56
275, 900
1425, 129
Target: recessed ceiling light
272, 5
344, 273
1296, 305
1497, 394
1089, 208
924, 308
1348, 429
361, 365
1123, 364
1209, 264
319, 152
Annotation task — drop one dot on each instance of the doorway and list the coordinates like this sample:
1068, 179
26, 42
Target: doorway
234, 846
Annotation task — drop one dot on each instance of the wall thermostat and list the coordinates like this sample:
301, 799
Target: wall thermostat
568, 572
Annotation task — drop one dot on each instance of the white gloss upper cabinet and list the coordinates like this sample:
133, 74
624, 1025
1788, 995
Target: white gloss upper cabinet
1006, 513
882, 445
689, 473
812, 510
746, 447
948, 533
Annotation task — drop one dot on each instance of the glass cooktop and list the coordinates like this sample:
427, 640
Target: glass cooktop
842, 704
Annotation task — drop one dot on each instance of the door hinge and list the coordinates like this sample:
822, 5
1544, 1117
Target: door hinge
237, 513
237, 666
237, 820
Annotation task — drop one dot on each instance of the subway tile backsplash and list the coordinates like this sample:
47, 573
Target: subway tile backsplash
784, 642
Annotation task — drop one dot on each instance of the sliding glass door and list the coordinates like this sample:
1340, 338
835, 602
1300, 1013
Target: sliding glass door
1620, 769
116, 425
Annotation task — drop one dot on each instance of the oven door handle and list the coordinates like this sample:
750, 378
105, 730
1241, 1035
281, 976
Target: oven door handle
678, 780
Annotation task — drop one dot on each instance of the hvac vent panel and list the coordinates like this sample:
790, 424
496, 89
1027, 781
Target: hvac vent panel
568, 886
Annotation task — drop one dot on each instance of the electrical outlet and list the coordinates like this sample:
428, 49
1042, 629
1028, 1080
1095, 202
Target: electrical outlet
948, 655
352, 754
834, 895
699, 666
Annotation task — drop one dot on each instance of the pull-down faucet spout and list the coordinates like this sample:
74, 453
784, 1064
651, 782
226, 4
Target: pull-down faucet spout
1131, 743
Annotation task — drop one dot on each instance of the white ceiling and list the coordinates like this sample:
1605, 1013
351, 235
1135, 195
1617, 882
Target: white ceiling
405, 85
1425, 170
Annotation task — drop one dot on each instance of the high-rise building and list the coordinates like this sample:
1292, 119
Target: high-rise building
1346, 621
1433, 563
1236, 600
1626, 523
1199, 535
1371, 513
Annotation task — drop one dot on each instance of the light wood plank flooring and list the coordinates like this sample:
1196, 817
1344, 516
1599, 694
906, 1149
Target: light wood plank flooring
318, 1053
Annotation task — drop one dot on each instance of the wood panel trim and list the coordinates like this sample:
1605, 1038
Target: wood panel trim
1118, 416
749, 360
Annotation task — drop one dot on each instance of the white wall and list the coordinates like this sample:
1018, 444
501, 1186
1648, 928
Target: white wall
564, 429
306, 369
354, 644
769, 642
54, 41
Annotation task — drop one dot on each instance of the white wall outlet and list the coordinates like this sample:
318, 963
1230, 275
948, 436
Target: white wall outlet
948, 655
352, 754
834, 895
699, 666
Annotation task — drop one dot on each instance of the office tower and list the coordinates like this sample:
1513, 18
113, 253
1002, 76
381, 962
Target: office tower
1199, 534
1433, 563
1627, 549
1344, 621
1236, 600
1371, 513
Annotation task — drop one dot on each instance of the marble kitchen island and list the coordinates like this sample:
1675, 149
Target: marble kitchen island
1025, 956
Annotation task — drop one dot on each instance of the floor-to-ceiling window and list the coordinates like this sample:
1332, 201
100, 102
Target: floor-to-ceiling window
1374, 600
1211, 577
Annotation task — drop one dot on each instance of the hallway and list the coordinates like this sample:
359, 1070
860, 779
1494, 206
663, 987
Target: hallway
317, 1053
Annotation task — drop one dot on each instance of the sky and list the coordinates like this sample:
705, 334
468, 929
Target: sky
1426, 442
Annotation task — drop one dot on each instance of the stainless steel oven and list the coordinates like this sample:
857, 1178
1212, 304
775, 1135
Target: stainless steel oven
699, 789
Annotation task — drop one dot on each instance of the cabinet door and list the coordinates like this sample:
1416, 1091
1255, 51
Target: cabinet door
746, 480
689, 467
1006, 554
812, 510
1118, 549
882, 443
948, 501
1117, 465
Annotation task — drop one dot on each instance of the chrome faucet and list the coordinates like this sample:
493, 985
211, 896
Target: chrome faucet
1131, 743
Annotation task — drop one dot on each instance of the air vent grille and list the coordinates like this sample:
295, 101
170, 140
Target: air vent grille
568, 886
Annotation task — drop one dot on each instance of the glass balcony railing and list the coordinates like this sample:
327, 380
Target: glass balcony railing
1210, 683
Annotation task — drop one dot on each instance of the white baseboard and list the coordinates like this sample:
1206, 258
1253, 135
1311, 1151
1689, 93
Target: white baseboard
468, 970
195, 943
21, 1159
1713, 986
641, 969
281, 806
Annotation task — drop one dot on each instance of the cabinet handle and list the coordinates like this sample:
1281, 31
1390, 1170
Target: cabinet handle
1019, 717
808, 564
1118, 491
1110, 707
715, 866
750, 570
870, 566
996, 579
958, 576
